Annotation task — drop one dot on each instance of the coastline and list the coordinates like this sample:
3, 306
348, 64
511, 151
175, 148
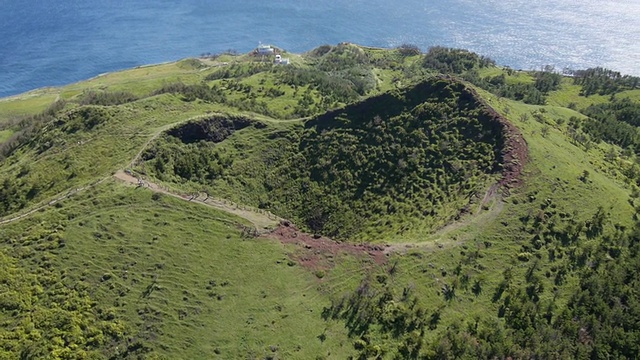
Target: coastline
55, 89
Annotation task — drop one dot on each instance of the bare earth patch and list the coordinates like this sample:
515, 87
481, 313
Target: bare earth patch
317, 252
514, 152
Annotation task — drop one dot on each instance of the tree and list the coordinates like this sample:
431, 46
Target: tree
477, 287
584, 177
408, 50
545, 130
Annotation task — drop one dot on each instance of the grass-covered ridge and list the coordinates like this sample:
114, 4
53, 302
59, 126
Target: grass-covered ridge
411, 158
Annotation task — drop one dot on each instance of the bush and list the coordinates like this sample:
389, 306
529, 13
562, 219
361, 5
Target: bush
106, 98
408, 50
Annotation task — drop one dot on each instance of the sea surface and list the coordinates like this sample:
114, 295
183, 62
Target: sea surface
51, 43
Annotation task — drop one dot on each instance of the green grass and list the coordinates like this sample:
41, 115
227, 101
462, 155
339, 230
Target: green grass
516, 77
555, 164
26, 104
152, 261
569, 95
139, 81
213, 293
5, 134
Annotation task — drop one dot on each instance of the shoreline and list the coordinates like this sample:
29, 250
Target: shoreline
56, 88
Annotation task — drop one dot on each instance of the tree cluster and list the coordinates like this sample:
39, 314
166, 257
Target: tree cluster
530, 93
616, 121
106, 98
192, 92
603, 81
454, 61
238, 71
198, 161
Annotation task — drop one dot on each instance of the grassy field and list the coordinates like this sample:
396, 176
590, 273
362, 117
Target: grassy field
182, 278
26, 104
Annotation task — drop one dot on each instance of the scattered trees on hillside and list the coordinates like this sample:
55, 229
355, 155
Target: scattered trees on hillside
603, 81
193, 92
239, 71
26, 128
454, 61
344, 86
106, 98
381, 321
600, 319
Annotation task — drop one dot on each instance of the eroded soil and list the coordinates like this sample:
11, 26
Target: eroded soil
318, 252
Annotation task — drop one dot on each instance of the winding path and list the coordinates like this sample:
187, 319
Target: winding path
56, 199
263, 221
514, 155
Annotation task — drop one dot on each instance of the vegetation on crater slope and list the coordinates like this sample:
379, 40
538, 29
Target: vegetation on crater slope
408, 159
355, 142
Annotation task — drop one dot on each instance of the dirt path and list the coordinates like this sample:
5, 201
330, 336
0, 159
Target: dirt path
480, 215
67, 194
263, 221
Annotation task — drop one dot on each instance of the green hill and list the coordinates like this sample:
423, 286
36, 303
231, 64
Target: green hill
474, 211
392, 163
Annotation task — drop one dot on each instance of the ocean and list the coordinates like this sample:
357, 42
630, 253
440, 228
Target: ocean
52, 43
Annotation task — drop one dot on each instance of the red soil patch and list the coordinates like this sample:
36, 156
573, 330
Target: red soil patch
514, 151
317, 252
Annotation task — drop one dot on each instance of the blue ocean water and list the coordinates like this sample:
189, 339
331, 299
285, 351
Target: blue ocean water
50, 43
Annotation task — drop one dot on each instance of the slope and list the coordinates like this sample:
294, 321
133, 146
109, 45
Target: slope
120, 272
354, 169
522, 271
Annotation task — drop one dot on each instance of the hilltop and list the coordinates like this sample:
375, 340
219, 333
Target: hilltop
355, 201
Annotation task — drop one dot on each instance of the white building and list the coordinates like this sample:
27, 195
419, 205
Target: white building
281, 61
265, 49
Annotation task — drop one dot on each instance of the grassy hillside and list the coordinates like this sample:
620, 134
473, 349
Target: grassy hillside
498, 207
121, 272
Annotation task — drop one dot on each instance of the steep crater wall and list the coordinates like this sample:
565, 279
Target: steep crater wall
514, 152
406, 161
215, 128
402, 161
